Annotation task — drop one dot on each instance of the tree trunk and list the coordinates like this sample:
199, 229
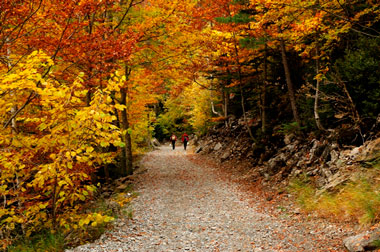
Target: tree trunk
127, 149
127, 162
289, 83
264, 93
316, 98
14, 108
225, 97
317, 65
214, 111
241, 88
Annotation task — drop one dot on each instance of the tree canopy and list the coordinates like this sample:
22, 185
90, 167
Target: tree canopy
86, 83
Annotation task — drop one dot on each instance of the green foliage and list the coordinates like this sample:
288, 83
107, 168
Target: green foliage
289, 128
360, 69
239, 18
376, 244
174, 119
251, 42
45, 241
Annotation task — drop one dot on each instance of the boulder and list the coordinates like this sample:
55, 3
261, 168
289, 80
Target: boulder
333, 181
370, 151
315, 151
362, 242
225, 156
122, 187
276, 162
355, 152
155, 143
218, 146
334, 157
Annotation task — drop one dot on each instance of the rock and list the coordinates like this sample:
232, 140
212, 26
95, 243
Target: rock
320, 181
354, 152
362, 242
288, 138
276, 162
326, 172
291, 147
198, 149
225, 156
314, 151
333, 181
218, 146
122, 187
206, 149
334, 155
122, 180
155, 143
370, 151
325, 154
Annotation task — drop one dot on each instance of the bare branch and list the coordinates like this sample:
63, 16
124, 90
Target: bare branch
30, 98
131, 4
203, 86
21, 25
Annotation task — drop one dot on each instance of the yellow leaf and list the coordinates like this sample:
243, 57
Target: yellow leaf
70, 165
120, 107
89, 149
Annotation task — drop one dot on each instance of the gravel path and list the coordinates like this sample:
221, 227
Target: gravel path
185, 207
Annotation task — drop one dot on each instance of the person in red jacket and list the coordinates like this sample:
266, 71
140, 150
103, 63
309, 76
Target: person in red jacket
185, 139
173, 138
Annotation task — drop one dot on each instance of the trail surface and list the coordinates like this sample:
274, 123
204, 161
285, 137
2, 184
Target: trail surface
183, 206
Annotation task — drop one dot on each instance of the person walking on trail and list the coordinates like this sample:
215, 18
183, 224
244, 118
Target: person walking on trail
185, 139
173, 138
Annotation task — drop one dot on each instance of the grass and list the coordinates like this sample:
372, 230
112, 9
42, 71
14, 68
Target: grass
48, 241
44, 242
356, 200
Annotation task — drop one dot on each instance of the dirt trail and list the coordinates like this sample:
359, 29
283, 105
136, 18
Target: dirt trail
186, 207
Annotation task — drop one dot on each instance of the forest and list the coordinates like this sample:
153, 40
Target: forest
86, 84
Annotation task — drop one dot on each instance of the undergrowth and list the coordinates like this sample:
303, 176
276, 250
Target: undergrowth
57, 241
357, 200
46, 241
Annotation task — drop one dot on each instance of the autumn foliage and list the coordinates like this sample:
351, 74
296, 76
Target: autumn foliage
76, 81
84, 83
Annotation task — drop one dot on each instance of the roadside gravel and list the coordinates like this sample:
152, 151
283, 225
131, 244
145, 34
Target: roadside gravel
183, 206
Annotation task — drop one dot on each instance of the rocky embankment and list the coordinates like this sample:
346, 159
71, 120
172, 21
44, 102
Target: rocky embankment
275, 160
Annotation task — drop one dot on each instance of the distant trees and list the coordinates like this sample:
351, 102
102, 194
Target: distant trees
318, 55
76, 82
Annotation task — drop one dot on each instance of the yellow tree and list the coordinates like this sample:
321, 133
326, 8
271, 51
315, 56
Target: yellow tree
46, 167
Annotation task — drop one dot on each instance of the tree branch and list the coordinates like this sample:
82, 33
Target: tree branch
214, 89
30, 98
131, 4
21, 25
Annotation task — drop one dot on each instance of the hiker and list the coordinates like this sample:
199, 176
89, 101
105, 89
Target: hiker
173, 138
185, 139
